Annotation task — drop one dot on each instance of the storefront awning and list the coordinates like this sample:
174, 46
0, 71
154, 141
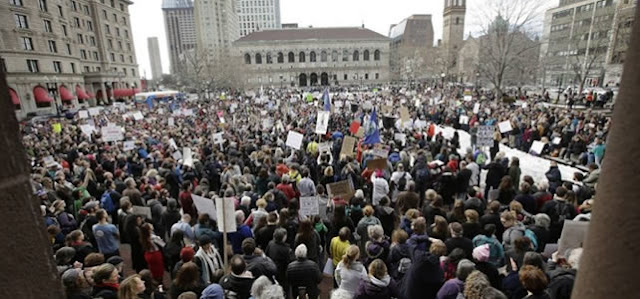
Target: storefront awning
41, 95
122, 92
14, 97
82, 95
65, 94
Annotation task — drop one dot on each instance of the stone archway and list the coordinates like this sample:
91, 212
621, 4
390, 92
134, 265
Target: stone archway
302, 80
324, 79
313, 79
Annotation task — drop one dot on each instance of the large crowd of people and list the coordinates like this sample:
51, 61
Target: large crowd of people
436, 221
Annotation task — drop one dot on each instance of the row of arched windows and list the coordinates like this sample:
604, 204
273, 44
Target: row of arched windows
302, 57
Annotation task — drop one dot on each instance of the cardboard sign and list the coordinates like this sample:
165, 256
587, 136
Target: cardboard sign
205, 206
225, 209
505, 126
342, 189
142, 211
347, 146
173, 144
112, 133
138, 115
83, 114
353, 128
464, 120
537, 147
386, 110
129, 145
380, 163
309, 206
322, 122
218, 138
294, 140
360, 132
404, 114
476, 108
484, 137
573, 235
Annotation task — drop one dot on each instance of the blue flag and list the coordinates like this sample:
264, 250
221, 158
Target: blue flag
327, 100
372, 132
150, 102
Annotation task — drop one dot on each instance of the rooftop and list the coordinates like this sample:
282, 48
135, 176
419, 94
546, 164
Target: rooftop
173, 4
336, 33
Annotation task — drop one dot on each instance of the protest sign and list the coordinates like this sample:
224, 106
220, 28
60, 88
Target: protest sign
537, 147
400, 137
476, 108
573, 235
404, 114
557, 140
294, 140
171, 122
204, 206
380, 163
505, 126
57, 128
309, 206
218, 138
142, 211
468, 98
87, 129
347, 146
128, 146
225, 211
83, 114
93, 111
339, 104
187, 157
177, 155
343, 189
353, 128
138, 115
324, 147
484, 137
487, 110
173, 144
360, 132
112, 133
380, 152
464, 120
322, 122
48, 161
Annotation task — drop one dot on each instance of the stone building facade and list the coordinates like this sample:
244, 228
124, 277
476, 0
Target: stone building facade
256, 15
313, 57
66, 53
411, 42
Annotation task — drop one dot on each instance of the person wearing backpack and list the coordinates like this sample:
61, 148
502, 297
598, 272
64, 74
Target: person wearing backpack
399, 181
558, 210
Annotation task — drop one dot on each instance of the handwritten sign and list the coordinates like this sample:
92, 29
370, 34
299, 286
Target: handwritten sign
476, 108
380, 163
112, 133
218, 138
309, 206
343, 189
322, 122
294, 140
205, 206
505, 126
347, 146
485, 136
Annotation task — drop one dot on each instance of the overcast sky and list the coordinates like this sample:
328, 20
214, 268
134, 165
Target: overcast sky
377, 15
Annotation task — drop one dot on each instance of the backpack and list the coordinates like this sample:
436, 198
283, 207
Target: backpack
402, 182
422, 175
106, 202
532, 236
562, 212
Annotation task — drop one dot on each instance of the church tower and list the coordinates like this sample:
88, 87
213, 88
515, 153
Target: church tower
453, 27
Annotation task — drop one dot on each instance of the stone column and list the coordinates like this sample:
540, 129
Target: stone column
28, 268
609, 264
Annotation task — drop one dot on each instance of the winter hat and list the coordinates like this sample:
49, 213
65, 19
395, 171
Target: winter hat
359, 193
187, 253
64, 255
481, 253
204, 240
70, 277
213, 291
115, 260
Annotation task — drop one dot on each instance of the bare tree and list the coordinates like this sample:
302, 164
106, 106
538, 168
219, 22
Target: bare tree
507, 38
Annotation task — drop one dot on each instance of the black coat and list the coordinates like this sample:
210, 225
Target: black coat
495, 174
304, 273
104, 292
494, 219
424, 278
280, 254
462, 243
264, 235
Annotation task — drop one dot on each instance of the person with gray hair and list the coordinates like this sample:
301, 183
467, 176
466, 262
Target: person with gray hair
452, 287
280, 253
540, 228
378, 245
262, 288
242, 232
303, 275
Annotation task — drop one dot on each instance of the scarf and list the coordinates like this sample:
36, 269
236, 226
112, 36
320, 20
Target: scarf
210, 263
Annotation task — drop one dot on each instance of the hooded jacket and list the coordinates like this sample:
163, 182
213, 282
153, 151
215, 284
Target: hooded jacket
383, 288
511, 234
420, 242
424, 278
304, 273
240, 285
561, 283
397, 253
213, 291
376, 250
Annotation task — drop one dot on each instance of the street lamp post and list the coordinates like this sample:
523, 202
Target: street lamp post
477, 80
442, 76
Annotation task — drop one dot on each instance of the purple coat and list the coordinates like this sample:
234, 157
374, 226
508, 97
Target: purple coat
377, 289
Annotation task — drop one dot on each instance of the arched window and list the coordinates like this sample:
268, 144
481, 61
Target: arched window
269, 60
292, 57
356, 55
345, 55
323, 56
376, 55
312, 56
258, 58
365, 55
301, 57
247, 58
334, 56
280, 57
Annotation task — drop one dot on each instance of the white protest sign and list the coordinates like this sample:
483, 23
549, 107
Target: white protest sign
187, 157
400, 137
204, 206
177, 155
171, 122
142, 211
324, 147
173, 144
322, 123
485, 136
487, 110
476, 108
93, 111
309, 206
138, 115
338, 104
225, 209
505, 126
83, 114
537, 147
218, 138
464, 120
87, 129
267, 123
294, 140
557, 140
129, 145
468, 98
112, 133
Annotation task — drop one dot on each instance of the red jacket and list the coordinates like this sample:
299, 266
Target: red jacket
288, 190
